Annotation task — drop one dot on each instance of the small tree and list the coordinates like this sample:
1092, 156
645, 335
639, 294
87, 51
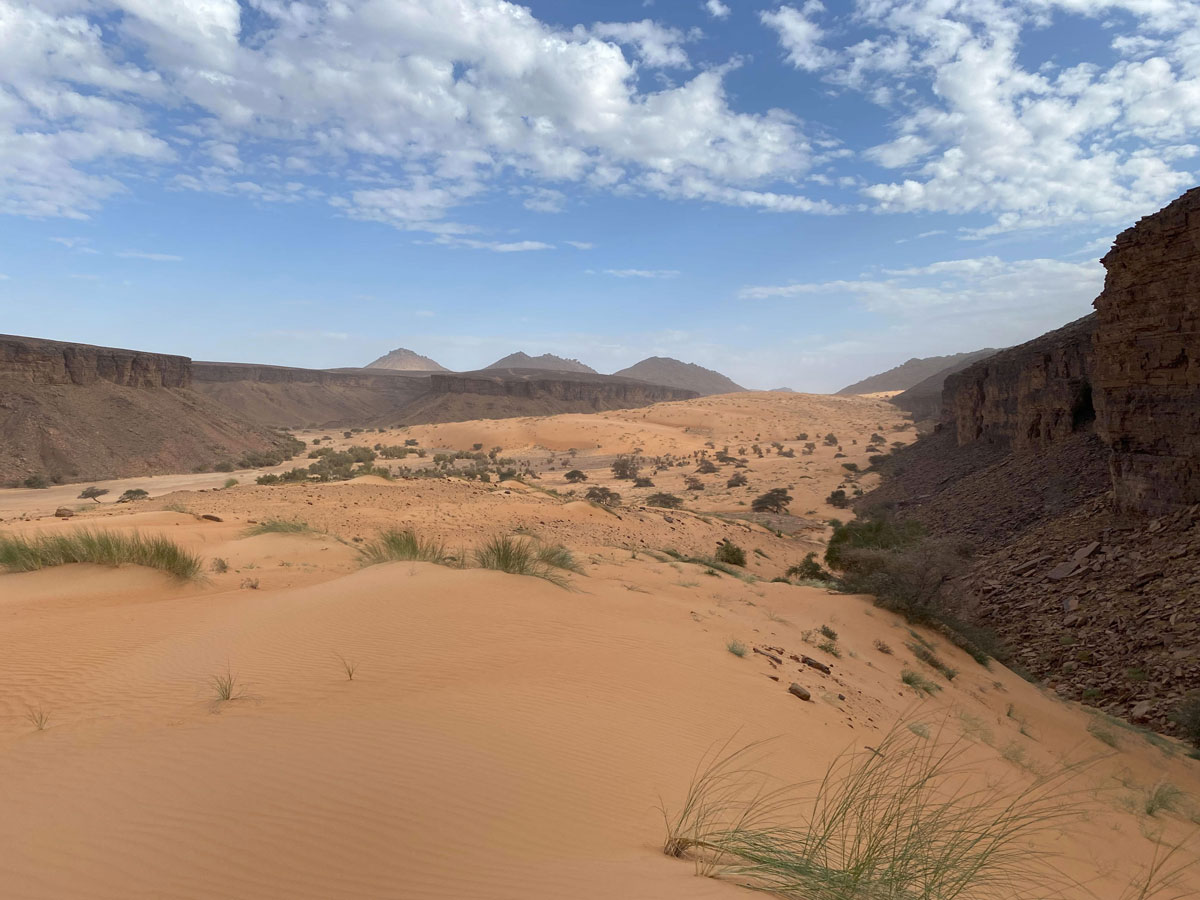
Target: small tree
642, 481
666, 501
575, 476
625, 467
133, 494
737, 479
92, 493
809, 570
706, 467
775, 500
692, 483
602, 495
831, 440
838, 499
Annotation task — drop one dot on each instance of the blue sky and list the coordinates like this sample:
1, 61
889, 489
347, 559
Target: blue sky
795, 194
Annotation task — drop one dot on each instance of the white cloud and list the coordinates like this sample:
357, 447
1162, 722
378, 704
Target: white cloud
800, 35
495, 246
415, 106
580, 245
545, 200
154, 257
716, 9
643, 273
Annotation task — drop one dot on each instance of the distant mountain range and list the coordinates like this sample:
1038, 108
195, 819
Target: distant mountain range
673, 373
403, 360
908, 374
923, 401
521, 360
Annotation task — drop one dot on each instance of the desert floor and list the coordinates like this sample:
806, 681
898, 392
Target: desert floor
502, 736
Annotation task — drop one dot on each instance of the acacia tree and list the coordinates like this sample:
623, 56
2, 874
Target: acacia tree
575, 476
93, 493
625, 467
775, 500
602, 495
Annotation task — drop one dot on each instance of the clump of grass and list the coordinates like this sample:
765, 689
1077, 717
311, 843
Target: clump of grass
831, 648
1104, 735
899, 821
225, 686
278, 526
517, 557
919, 681
402, 545
37, 717
559, 557
883, 647
737, 648
106, 548
231, 482
919, 729
349, 666
829, 632
250, 584
1162, 797
925, 654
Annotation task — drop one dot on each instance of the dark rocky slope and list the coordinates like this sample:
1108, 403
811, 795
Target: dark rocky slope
81, 413
1072, 465
923, 401
907, 374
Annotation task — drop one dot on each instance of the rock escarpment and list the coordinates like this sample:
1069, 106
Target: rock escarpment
603, 391
1028, 396
35, 361
1148, 359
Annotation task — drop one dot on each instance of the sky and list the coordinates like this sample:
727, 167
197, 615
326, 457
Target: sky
796, 194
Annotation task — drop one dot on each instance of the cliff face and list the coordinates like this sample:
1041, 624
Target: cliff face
34, 361
1028, 396
604, 391
1148, 359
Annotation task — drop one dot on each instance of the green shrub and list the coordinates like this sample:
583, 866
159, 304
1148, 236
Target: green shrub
517, 556
106, 548
602, 495
731, 554
575, 476
36, 482
133, 494
737, 479
224, 466
873, 533
665, 501
278, 526
737, 648
92, 493
775, 500
808, 570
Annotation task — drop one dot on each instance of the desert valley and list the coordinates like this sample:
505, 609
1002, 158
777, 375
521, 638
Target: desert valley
529, 450
397, 650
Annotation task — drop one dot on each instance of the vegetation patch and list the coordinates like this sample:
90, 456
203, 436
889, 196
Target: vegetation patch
402, 545
105, 548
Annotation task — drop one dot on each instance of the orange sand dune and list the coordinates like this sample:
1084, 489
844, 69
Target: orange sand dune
502, 737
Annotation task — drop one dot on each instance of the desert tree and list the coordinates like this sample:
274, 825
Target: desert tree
92, 493
775, 500
575, 476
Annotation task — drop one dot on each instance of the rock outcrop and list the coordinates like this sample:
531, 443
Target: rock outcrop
674, 373
601, 391
1027, 396
1148, 359
923, 401
522, 360
36, 361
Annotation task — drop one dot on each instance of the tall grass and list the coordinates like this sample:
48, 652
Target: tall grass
402, 545
106, 548
905, 820
518, 556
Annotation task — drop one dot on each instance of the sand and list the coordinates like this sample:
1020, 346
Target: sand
502, 737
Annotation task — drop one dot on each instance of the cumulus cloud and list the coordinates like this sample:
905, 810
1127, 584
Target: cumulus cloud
716, 9
800, 35
410, 108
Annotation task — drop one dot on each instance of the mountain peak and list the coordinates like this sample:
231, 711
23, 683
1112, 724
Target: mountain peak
675, 373
404, 360
521, 360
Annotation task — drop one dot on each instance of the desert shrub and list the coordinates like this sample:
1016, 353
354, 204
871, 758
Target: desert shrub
625, 467
230, 482
802, 436
402, 545
876, 532
737, 479
133, 494
706, 467
642, 482
831, 440
347, 434
1187, 717
731, 554
808, 570
737, 648
692, 483
602, 495
850, 467
664, 500
876, 461
36, 482
838, 499
575, 476
92, 493
224, 466
775, 500
930, 658
558, 557
106, 548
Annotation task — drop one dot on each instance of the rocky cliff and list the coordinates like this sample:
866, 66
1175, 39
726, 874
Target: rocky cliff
73, 412
1148, 359
1027, 396
35, 361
